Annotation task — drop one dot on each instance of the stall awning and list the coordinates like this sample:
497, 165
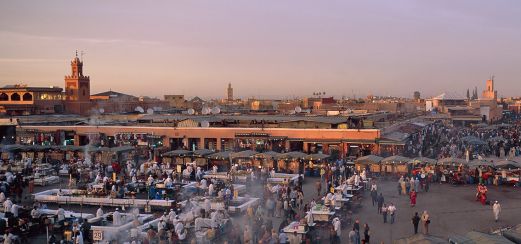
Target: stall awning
369, 159
452, 160
418, 160
122, 149
396, 159
268, 154
177, 153
293, 155
202, 152
220, 155
317, 157
244, 154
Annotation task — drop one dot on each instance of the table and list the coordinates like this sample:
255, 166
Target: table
296, 227
321, 213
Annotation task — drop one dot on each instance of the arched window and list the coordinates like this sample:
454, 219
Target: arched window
83, 91
27, 97
4, 97
15, 97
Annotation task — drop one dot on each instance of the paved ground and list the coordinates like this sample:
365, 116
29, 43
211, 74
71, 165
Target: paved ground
453, 210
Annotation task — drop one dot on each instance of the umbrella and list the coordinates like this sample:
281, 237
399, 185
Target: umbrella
317, 156
477, 162
420, 239
177, 153
423, 160
473, 140
451, 160
244, 154
369, 159
268, 154
507, 164
395, 159
202, 152
513, 234
220, 155
479, 237
293, 155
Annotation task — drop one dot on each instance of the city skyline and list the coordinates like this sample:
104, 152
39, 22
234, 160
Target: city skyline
265, 50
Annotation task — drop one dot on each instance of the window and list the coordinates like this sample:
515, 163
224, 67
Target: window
15, 97
27, 97
4, 97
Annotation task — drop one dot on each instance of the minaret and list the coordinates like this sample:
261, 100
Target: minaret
77, 89
230, 92
490, 93
77, 86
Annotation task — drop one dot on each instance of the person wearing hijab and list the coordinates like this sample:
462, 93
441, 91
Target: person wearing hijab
426, 221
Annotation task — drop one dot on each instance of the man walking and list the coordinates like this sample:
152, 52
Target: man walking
374, 196
496, 208
391, 211
416, 222
380, 201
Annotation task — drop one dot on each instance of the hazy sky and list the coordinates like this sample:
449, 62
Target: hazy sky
265, 48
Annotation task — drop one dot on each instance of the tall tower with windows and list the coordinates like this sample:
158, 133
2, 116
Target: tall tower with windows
230, 92
490, 93
77, 88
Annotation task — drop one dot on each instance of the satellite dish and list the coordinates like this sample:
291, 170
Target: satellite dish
191, 111
150, 111
101, 110
298, 109
205, 124
216, 110
206, 110
139, 109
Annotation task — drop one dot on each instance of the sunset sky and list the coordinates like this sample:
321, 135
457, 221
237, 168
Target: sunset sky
266, 49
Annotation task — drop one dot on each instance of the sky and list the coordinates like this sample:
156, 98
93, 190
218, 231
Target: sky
266, 49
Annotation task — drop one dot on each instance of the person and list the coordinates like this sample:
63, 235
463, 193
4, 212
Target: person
8, 204
496, 209
319, 187
413, 198
426, 221
384, 212
391, 210
415, 222
35, 214
116, 217
14, 210
356, 227
99, 212
337, 228
352, 236
380, 202
366, 233
60, 213
374, 196
283, 238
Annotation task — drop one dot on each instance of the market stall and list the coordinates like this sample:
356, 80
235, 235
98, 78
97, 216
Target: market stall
291, 162
395, 164
220, 159
372, 162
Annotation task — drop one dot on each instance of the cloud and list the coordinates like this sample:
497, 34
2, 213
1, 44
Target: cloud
29, 60
88, 40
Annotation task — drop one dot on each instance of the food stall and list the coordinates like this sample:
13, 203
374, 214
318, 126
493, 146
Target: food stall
321, 213
291, 162
220, 159
395, 164
371, 161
